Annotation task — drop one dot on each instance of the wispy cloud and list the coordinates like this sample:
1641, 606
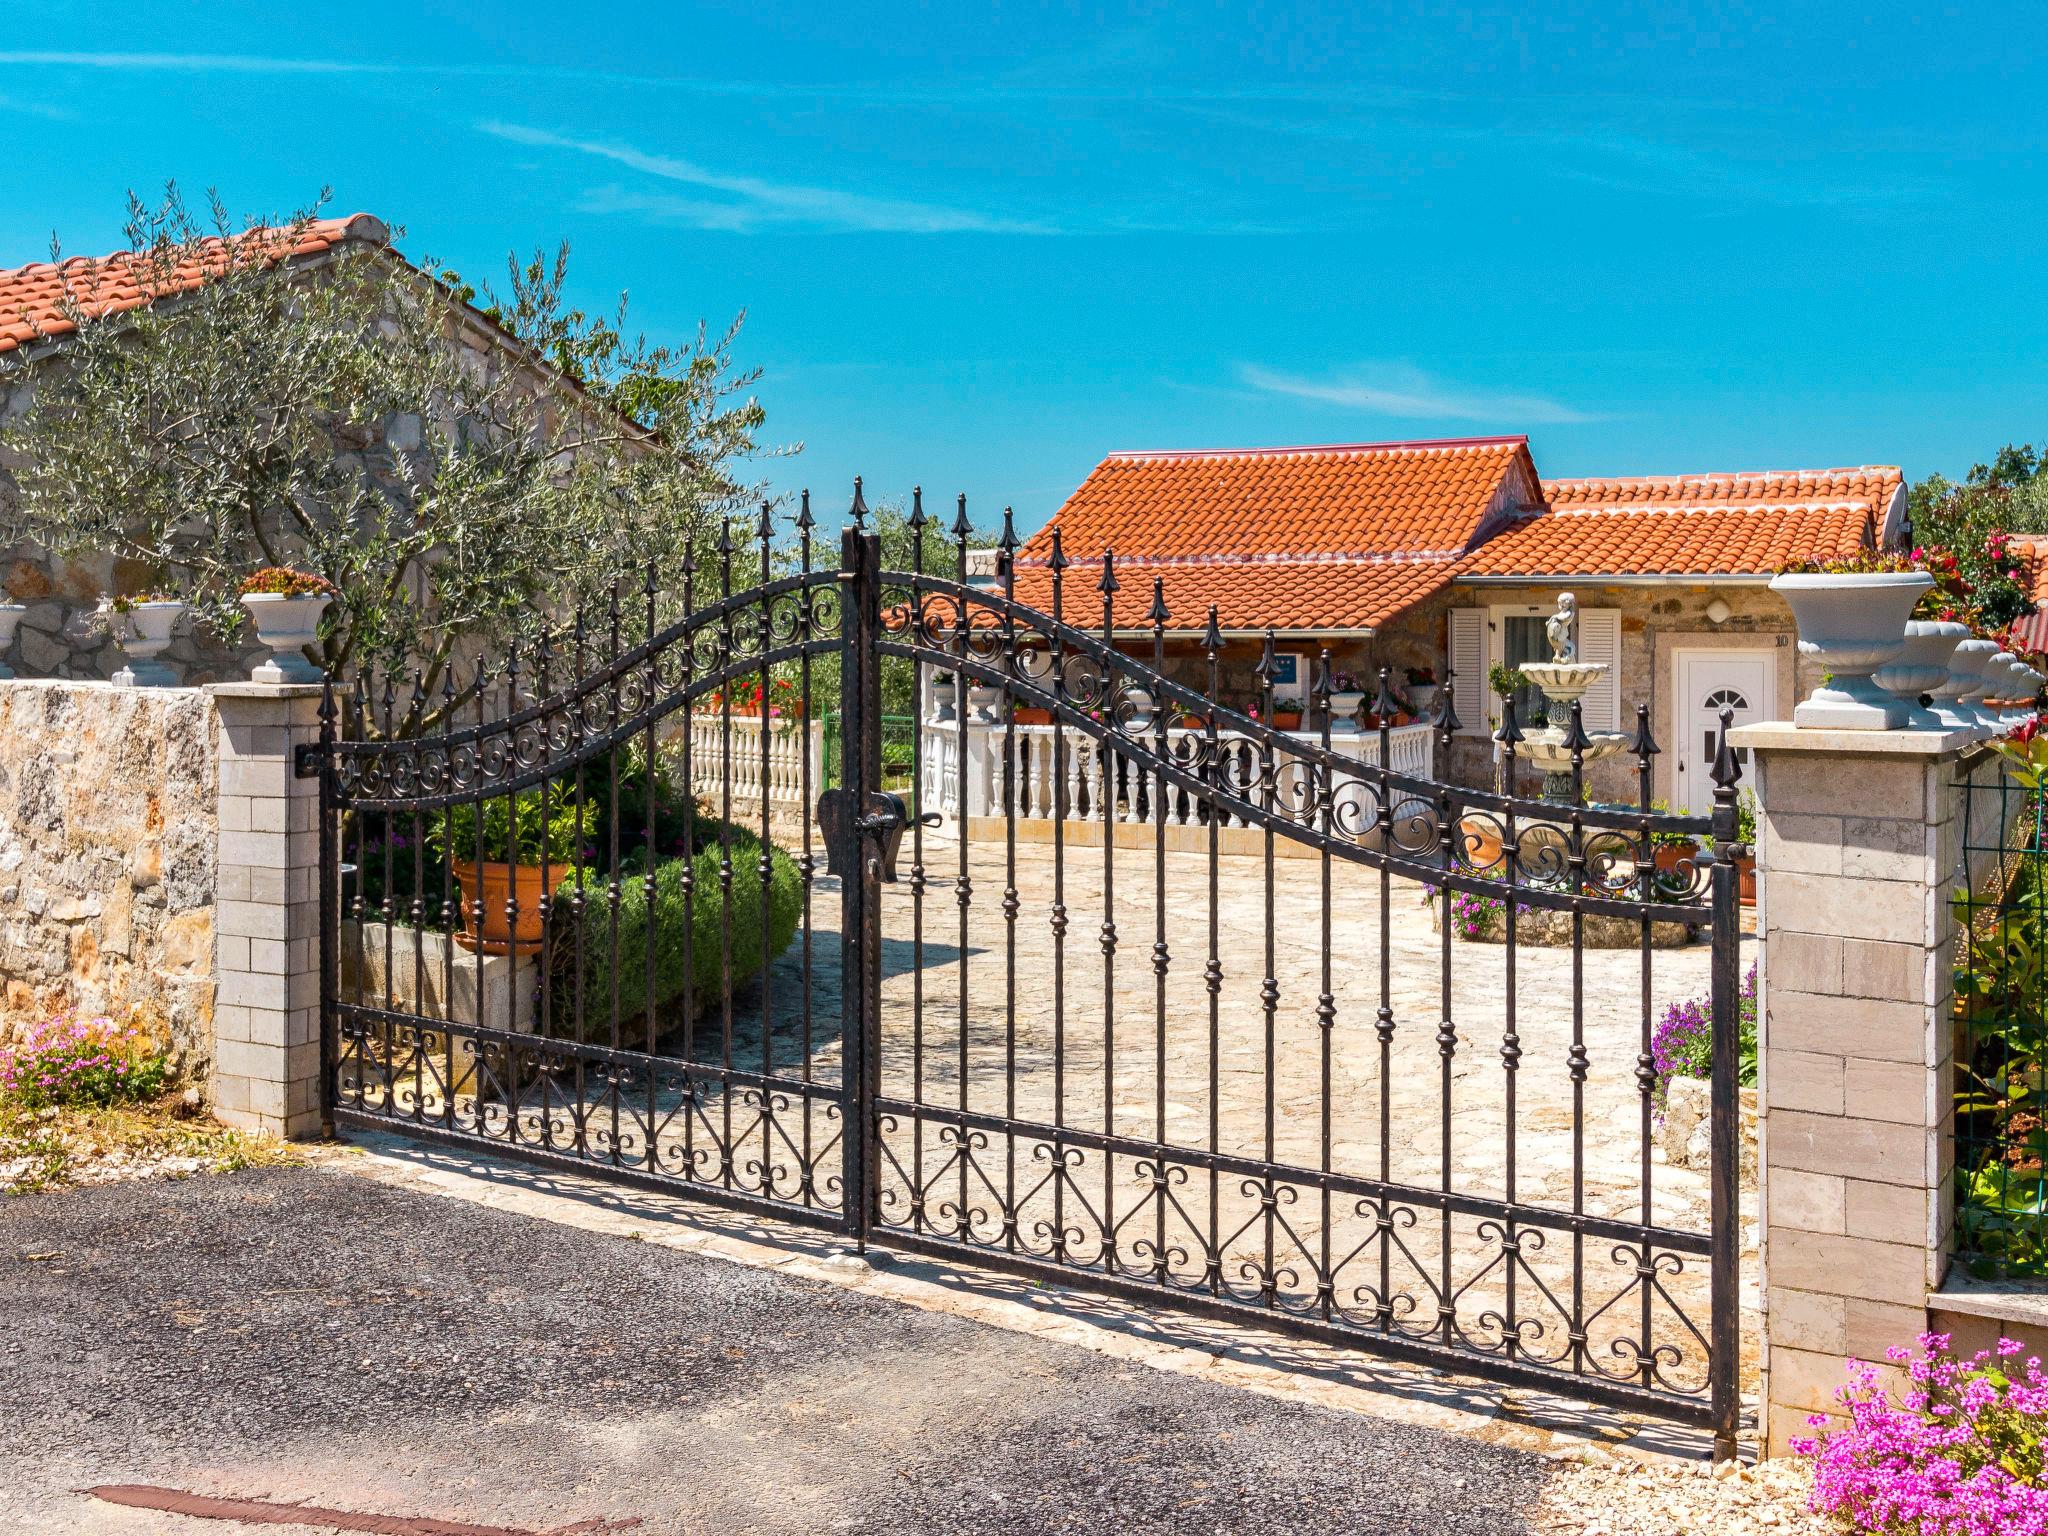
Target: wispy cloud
211, 63
34, 109
1403, 390
748, 202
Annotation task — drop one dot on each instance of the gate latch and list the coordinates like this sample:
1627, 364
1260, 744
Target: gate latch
884, 821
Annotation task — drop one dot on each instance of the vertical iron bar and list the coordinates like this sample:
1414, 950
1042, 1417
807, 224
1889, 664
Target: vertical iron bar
1161, 956
1112, 762
963, 890
860, 881
1724, 1273
1013, 670
330, 908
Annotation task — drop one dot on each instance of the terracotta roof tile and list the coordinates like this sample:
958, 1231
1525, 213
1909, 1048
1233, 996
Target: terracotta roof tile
1675, 541
31, 296
1368, 499
1295, 595
1873, 485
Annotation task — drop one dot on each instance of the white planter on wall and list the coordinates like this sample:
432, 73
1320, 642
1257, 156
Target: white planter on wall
287, 625
144, 633
1922, 668
1851, 623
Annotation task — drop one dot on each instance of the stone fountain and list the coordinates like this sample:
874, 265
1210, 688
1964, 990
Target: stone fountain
1564, 680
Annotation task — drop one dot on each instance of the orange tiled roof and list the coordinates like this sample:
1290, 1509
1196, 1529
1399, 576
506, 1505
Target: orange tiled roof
1315, 595
30, 296
1674, 541
1338, 537
1356, 501
1868, 485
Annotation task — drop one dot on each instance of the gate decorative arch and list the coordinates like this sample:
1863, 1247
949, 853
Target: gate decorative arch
1056, 1047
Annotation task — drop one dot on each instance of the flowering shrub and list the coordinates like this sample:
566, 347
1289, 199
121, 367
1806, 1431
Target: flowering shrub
72, 1061
282, 581
784, 698
1957, 1454
1474, 917
1682, 1044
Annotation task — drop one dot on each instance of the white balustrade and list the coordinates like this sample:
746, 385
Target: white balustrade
757, 764
1066, 774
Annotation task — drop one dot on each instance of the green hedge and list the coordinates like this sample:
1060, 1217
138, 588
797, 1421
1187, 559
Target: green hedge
706, 926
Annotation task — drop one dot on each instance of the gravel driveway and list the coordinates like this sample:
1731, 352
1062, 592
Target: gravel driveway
300, 1334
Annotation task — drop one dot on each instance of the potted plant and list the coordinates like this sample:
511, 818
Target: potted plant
1030, 714
1346, 699
10, 620
286, 607
1852, 617
141, 624
475, 839
1421, 690
1286, 716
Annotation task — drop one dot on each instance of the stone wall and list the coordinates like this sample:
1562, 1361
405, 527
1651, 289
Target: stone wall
107, 856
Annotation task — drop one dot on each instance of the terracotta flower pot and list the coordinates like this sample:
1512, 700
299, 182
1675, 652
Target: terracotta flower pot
494, 885
1031, 714
1745, 873
1286, 720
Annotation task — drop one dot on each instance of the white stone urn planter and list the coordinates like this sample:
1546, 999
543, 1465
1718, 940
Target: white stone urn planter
1956, 700
982, 704
10, 620
1851, 623
287, 625
1421, 699
1345, 704
1921, 669
143, 631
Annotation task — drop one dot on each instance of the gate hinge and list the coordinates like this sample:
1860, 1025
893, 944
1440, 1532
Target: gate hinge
306, 760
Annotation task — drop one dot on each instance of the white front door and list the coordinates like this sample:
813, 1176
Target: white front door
1742, 682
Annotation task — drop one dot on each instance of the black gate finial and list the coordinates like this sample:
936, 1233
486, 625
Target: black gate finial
859, 510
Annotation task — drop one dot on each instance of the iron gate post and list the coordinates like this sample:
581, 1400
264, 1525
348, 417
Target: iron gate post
1724, 1278
860, 883
330, 908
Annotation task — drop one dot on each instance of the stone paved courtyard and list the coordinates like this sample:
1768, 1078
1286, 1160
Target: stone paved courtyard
1052, 1035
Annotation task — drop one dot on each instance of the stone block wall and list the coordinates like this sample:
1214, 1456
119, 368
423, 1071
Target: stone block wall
108, 837
1858, 840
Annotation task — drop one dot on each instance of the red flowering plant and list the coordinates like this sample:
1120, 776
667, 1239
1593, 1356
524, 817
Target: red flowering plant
1985, 591
785, 700
283, 581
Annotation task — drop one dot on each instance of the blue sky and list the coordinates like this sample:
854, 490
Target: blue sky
979, 248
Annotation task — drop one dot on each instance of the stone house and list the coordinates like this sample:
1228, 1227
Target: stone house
54, 638
1450, 554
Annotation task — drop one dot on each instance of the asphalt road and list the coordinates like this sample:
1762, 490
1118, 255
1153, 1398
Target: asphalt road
303, 1334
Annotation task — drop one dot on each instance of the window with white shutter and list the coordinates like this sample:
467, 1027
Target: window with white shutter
1468, 669
1600, 642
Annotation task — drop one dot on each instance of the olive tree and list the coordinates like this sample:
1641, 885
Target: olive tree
465, 468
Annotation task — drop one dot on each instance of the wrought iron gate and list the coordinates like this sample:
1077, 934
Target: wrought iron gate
1278, 1108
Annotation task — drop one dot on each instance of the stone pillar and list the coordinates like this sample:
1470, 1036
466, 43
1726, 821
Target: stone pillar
1857, 851
267, 929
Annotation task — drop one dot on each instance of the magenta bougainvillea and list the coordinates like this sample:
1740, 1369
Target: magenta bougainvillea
1956, 1453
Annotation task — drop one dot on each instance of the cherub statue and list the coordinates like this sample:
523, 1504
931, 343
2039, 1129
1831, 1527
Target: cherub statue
1562, 629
